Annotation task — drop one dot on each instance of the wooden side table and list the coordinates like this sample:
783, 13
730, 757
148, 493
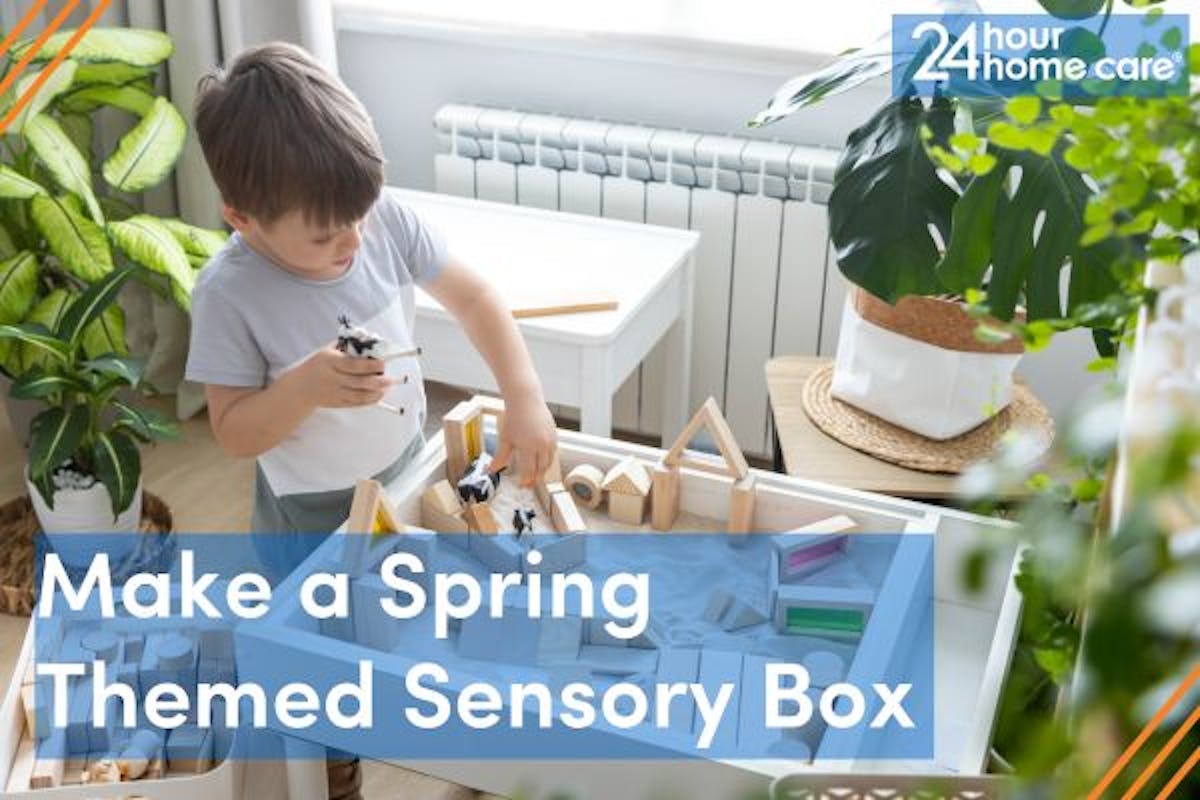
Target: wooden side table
804, 450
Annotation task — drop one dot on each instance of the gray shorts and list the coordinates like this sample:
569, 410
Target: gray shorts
288, 529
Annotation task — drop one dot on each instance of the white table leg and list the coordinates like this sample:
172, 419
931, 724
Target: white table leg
596, 392
677, 358
306, 774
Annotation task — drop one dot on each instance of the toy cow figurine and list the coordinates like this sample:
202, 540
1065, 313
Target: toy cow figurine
522, 520
478, 484
357, 341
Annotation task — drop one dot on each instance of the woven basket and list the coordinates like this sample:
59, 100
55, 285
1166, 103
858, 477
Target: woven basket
18, 536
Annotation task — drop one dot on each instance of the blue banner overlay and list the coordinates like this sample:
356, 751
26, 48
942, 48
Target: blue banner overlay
981, 55
587, 646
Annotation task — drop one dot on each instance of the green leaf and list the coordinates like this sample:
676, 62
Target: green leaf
18, 287
118, 465
37, 384
78, 242
59, 81
113, 72
145, 423
965, 141
15, 185
886, 195
8, 248
36, 337
1050, 198
969, 250
134, 46
129, 370
148, 242
88, 307
196, 241
1172, 38
1072, 9
55, 435
106, 334
148, 153
1024, 110
79, 129
69, 168
852, 69
89, 98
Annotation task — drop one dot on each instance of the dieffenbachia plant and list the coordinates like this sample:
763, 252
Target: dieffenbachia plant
87, 422
67, 215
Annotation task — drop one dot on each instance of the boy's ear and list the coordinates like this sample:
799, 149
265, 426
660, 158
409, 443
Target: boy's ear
236, 219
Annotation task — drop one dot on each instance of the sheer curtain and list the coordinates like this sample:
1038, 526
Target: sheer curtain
205, 32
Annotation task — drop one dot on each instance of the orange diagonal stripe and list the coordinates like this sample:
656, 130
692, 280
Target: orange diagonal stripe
66, 49
22, 25
1178, 777
1167, 749
20, 66
1136, 744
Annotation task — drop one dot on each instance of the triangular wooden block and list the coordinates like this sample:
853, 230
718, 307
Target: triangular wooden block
710, 417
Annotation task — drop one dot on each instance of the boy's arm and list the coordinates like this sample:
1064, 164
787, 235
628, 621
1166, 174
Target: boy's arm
529, 428
250, 421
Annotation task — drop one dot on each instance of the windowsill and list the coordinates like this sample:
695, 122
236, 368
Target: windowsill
364, 17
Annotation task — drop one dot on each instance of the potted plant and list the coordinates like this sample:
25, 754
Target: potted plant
84, 472
945, 206
66, 219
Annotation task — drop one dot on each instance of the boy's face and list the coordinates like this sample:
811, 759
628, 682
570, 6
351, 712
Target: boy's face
300, 246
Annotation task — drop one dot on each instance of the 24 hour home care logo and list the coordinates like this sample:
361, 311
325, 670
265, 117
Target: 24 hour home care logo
1010, 54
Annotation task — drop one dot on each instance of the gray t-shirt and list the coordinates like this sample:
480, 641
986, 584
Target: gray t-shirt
252, 321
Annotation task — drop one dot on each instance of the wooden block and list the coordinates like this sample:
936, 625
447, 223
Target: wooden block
679, 666
481, 519
553, 473
21, 771
664, 497
741, 505
718, 667
711, 419
442, 498
564, 514
373, 627
545, 490
463, 436
584, 484
627, 508
442, 523
36, 716
837, 524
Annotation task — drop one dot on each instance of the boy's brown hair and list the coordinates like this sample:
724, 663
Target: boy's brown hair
281, 133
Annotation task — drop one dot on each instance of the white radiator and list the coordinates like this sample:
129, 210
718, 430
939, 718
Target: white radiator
766, 281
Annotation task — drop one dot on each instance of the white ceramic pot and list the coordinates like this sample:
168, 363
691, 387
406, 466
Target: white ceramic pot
81, 524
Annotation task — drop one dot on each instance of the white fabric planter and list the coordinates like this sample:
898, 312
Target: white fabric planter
934, 391
80, 517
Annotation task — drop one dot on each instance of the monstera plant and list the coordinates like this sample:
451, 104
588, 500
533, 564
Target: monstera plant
961, 193
70, 236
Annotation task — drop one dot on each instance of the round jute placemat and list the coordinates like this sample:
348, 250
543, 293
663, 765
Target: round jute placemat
879, 438
18, 536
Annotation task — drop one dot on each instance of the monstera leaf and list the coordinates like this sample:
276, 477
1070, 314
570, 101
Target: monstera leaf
852, 68
886, 196
1023, 219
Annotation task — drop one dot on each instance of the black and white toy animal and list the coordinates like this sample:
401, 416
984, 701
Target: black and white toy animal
523, 520
477, 484
358, 341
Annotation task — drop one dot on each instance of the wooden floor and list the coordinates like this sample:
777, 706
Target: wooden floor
211, 492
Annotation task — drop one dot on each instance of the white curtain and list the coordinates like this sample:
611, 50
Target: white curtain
205, 33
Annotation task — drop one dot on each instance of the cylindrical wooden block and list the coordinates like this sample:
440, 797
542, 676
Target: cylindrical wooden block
584, 484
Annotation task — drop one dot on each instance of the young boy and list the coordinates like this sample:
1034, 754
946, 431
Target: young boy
300, 170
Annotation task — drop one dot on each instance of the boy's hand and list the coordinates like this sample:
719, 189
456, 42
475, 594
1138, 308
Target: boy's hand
330, 378
529, 433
